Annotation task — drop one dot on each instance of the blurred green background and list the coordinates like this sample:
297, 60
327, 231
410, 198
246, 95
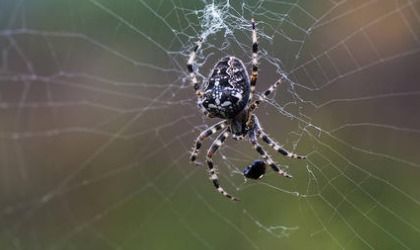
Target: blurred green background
97, 121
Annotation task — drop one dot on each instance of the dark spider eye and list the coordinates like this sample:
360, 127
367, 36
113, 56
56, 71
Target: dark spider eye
255, 171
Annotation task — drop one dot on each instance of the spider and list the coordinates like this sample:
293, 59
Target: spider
228, 94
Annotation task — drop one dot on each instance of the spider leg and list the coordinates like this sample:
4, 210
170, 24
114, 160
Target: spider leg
271, 142
212, 171
254, 73
193, 75
254, 105
272, 88
204, 135
277, 147
267, 158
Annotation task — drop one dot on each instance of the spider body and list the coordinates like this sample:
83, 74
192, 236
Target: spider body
227, 91
228, 94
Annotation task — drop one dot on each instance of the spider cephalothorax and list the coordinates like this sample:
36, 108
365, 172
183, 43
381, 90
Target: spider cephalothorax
227, 94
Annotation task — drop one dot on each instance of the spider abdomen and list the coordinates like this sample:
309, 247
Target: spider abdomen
226, 93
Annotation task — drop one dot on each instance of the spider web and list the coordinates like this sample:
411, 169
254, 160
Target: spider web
98, 119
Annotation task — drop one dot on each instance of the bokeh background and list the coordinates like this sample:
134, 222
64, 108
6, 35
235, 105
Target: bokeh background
97, 120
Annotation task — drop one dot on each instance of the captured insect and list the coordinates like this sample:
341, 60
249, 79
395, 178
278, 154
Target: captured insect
256, 170
228, 94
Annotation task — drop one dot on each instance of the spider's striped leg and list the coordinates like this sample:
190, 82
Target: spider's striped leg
212, 171
272, 88
254, 73
193, 75
266, 157
254, 105
204, 135
277, 147
271, 142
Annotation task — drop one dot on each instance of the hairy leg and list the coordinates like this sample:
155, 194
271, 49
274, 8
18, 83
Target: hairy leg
204, 135
212, 171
